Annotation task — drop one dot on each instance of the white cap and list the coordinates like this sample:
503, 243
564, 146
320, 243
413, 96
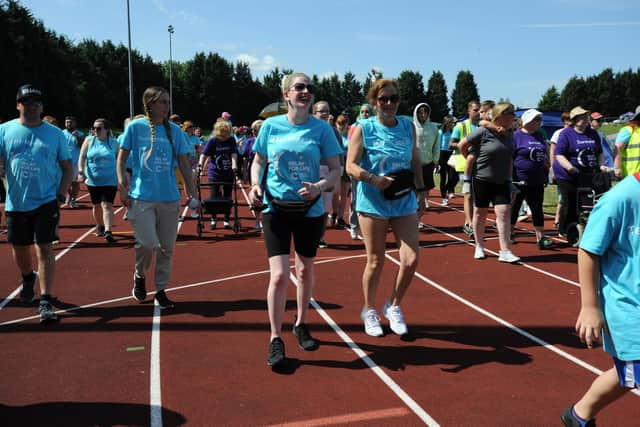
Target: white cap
529, 115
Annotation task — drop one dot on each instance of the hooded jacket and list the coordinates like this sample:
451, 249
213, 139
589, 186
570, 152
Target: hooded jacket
426, 137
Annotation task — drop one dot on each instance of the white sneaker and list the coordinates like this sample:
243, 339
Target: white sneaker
508, 256
73, 204
479, 252
426, 203
194, 213
396, 319
371, 323
227, 225
445, 202
354, 233
258, 226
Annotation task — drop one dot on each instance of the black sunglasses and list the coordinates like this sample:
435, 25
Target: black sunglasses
386, 99
299, 87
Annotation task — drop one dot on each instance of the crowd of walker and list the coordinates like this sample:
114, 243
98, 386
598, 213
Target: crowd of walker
301, 167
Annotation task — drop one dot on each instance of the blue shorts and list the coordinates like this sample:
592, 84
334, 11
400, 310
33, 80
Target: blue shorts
628, 372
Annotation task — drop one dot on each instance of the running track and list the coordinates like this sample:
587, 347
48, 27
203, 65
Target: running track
491, 344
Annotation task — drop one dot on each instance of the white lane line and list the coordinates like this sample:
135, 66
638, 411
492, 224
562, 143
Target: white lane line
13, 294
386, 379
154, 386
506, 324
524, 264
155, 380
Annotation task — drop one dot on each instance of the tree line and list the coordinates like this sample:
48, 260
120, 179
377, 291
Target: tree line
89, 79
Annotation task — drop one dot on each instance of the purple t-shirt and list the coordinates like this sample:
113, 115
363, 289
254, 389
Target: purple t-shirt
530, 158
220, 153
581, 149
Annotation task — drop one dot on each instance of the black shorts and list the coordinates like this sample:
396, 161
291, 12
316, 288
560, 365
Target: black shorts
306, 234
106, 193
39, 225
427, 176
485, 193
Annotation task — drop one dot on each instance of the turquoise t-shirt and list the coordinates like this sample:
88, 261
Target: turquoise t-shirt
385, 149
154, 180
101, 163
444, 138
624, 136
294, 153
32, 163
194, 141
72, 144
613, 233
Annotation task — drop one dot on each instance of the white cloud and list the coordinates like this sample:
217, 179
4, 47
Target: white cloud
583, 25
183, 15
266, 63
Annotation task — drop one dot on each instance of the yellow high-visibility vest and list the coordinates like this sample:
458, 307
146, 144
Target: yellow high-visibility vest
630, 156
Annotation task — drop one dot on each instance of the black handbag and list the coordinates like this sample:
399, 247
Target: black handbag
290, 209
403, 184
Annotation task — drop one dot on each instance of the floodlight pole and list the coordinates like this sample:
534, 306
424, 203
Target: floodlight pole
171, 30
129, 59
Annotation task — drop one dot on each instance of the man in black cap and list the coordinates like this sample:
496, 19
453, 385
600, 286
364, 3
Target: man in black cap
32, 155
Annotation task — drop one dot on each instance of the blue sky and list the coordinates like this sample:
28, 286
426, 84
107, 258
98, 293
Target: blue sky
515, 50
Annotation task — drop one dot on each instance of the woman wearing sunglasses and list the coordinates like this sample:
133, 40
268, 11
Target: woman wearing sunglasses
290, 148
379, 146
97, 168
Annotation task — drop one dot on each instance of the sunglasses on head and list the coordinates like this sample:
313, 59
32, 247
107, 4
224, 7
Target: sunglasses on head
386, 99
299, 87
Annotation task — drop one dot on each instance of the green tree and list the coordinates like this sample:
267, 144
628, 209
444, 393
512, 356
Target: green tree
411, 91
573, 94
352, 93
437, 96
464, 91
550, 101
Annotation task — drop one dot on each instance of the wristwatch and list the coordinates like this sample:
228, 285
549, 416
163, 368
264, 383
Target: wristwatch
61, 198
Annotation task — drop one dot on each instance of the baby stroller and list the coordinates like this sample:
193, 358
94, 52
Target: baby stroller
587, 197
217, 205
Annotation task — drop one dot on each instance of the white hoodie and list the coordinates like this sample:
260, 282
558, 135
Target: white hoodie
426, 137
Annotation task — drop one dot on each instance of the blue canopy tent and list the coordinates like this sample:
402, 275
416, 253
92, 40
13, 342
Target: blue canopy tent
550, 120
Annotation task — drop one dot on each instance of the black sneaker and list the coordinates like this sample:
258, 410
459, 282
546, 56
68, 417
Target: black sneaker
305, 340
322, 244
544, 243
276, 352
341, 223
47, 314
108, 236
163, 301
139, 290
99, 230
569, 420
27, 294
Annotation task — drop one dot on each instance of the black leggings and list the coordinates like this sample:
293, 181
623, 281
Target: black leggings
225, 193
534, 194
448, 175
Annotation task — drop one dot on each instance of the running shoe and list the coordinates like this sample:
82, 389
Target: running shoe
354, 233
276, 352
227, 225
445, 202
332, 222
212, 225
46, 312
396, 319
139, 290
371, 323
508, 256
426, 203
108, 236
342, 223
569, 419
99, 230
194, 213
305, 340
322, 244
258, 226
466, 229
163, 301
27, 294
544, 243
73, 204
479, 252
523, 218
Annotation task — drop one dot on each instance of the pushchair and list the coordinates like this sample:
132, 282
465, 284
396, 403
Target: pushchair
587, 197
217, 205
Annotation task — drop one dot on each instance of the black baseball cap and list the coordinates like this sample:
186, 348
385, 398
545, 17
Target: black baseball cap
28, 91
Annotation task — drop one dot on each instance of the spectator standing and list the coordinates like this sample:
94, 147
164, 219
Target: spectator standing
627, 160
75, 138
428, 145
448, 175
